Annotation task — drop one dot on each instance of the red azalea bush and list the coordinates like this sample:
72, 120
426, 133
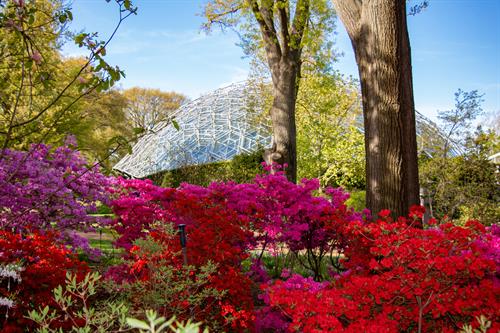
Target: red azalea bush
215, 235
400, 279
281, 213
31, 266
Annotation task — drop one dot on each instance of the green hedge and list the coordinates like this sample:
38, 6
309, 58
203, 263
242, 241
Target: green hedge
241, 169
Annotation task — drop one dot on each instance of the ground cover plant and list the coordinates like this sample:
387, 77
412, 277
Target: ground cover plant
263, 256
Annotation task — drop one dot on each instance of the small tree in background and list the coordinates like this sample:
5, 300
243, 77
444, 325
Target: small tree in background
148, 107
464, 186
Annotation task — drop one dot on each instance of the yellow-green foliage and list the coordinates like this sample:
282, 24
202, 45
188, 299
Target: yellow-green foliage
45, 96
329, 145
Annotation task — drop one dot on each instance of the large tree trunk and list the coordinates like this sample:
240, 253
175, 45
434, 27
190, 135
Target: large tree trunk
284, 150
379, 36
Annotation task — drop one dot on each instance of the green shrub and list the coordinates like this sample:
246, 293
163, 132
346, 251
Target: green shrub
78, 315
78, 311
241, 169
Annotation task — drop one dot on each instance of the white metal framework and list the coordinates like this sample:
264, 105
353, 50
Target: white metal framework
214, 127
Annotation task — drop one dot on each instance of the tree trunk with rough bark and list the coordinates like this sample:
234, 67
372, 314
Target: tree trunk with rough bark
282, 38
284, 150
379, 36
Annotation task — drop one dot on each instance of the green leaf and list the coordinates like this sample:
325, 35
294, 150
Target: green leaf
136, 323
63, 18
176, 124
79, 39
138, 130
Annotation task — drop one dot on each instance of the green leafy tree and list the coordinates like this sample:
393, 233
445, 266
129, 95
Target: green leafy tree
330, 141
285, 33
98, 121
466, 186
148, 107
40, 90
101, 127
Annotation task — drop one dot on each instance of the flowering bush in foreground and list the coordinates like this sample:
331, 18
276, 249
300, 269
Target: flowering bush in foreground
395, 276
216, 236
39, 265
400, 279
281, 213
45, 189
226, 220
398, 276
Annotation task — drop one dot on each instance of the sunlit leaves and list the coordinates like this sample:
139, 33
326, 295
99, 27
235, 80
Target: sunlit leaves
39, 91
329, 142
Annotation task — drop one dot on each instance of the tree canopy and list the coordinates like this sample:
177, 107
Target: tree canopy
148, 107
40, 90
330, 139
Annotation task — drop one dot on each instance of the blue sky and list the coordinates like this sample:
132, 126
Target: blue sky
455, 44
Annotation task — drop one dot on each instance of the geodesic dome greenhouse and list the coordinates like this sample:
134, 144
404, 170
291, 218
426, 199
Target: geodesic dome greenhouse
212, 128
219, 125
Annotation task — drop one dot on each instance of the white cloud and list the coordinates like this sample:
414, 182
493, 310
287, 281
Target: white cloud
238, 74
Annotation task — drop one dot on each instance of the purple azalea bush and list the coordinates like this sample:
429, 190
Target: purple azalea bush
50, 188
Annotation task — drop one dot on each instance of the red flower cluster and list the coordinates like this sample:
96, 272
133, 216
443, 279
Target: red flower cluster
214, 233
401, 278
41, 265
